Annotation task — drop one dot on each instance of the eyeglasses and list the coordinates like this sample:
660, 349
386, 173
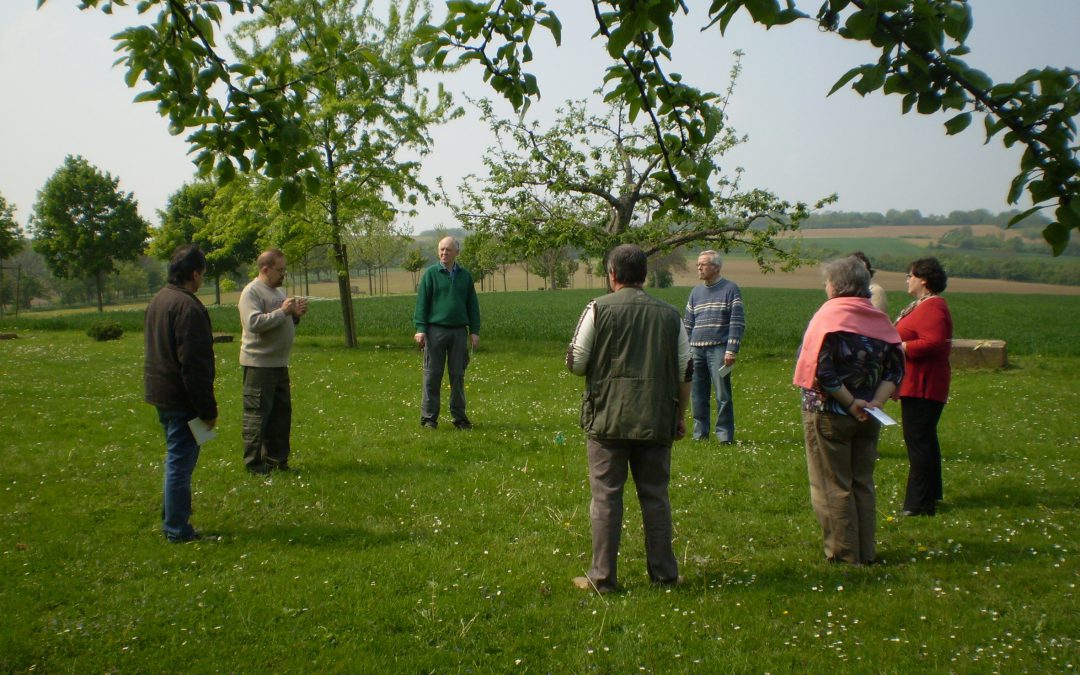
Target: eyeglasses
279, 270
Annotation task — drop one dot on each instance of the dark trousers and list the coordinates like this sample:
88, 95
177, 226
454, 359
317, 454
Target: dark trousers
267, 417
610, 462
445, 348
920, 419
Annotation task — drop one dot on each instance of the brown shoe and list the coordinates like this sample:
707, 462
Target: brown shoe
585, 584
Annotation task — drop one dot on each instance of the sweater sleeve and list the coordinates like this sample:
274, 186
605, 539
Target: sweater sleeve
255, 314
473, 308
423, 303
688, 314
737, 322
580, 348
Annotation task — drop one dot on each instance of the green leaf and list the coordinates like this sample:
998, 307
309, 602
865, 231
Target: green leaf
763, 11
957, 124
551, 22
290, 195
1057, 235
617, 42
1068, 217
847, 77
145, 96
1041, 191
978, 78
1016, 188
929, 102
861, 25
1022, 215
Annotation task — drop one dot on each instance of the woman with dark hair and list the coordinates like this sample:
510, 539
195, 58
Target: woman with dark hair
925, 326
850, 361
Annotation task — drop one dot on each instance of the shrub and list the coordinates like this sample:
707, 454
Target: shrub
105, 330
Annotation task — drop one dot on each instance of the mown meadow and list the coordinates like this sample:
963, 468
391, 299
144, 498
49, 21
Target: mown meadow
396, 549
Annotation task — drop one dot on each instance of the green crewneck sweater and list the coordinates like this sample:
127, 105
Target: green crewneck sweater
445, 301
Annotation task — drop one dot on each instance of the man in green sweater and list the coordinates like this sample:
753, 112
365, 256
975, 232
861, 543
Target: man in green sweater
447, 320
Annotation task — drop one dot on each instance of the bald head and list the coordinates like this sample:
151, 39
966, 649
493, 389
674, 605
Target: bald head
449, 248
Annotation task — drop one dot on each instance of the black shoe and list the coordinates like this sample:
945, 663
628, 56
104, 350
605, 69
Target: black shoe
284, 466
185, 539
429, 424
923, 512
258, 469
463, 425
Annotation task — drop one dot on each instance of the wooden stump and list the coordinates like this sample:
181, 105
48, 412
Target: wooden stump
978, 354
8, 336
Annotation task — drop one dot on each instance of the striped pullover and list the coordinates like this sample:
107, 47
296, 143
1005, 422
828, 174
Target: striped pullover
714, 315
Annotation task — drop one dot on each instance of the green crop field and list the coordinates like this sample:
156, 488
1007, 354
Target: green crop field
394, 549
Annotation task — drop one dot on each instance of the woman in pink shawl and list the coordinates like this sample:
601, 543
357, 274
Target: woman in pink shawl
850, 361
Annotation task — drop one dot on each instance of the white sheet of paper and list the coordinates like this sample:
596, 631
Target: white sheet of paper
200, 431
724, 371
880, 416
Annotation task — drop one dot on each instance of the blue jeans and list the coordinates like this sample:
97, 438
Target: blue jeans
708, 360
182, 452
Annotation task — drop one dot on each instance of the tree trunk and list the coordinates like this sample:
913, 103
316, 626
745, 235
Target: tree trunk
217, 290
100, 291
345, 289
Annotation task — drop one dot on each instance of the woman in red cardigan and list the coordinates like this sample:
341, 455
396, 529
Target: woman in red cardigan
925, 327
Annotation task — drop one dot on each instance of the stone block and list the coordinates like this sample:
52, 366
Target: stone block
978, 354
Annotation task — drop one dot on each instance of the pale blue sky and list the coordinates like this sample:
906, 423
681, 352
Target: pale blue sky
61, 96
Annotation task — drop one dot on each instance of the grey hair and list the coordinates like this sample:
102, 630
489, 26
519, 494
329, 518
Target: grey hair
848, 276
457, 244
714, 258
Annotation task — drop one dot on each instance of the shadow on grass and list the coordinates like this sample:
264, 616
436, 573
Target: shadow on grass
319, 535
1005, 495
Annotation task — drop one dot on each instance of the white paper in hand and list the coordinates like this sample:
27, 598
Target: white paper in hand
880, 416
200, 431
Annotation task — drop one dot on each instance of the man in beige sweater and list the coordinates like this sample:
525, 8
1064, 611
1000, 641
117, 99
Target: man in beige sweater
268, 319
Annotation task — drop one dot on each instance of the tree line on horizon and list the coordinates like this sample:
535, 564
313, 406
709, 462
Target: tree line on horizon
914, 217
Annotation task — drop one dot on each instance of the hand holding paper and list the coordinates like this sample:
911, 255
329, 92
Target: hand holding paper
880, 416
201, 431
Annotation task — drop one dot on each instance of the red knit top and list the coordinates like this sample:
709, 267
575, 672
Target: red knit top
927, 335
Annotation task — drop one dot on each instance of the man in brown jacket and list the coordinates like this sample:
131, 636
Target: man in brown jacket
179, 380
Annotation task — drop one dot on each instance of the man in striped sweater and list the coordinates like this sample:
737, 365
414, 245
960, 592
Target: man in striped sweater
714, 321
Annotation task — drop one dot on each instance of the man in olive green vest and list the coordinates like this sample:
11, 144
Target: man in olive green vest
635, 356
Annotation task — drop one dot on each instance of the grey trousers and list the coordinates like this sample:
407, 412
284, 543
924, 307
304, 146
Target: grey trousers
449, 348
650, 463
840, 457
267, 416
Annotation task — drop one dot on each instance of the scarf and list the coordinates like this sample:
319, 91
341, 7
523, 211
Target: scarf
915, 303
840, 315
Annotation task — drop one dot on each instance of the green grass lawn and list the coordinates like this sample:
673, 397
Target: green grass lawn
395, 549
